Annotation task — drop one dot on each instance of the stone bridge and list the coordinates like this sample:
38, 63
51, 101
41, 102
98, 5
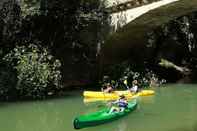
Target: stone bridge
132, 37
119, 6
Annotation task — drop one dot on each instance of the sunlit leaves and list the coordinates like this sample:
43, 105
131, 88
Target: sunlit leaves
30, 7
36, 69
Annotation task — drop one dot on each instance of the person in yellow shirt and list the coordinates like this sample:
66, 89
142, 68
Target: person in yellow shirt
126, 82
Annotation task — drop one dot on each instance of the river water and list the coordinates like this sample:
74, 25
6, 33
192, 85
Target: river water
172, 108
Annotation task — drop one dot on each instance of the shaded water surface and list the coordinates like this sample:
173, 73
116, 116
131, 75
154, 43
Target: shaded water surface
172, 108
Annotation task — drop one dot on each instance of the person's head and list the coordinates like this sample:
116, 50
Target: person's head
122, 97
108, 85
135, 82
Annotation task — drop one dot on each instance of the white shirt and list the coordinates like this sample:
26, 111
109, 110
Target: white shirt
134, 88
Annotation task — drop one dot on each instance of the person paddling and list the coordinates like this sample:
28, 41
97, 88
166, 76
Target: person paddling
134, 87
121, 104
126, 82
107, 89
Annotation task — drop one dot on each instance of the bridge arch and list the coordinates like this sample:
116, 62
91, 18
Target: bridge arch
131, 38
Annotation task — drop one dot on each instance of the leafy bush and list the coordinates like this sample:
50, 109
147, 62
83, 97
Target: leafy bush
37, 71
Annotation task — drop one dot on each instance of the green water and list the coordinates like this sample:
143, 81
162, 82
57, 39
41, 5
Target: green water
172, 108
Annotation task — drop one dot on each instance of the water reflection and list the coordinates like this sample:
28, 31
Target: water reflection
122, 126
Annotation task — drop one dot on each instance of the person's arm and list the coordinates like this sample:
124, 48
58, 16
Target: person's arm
116, 84
115, 102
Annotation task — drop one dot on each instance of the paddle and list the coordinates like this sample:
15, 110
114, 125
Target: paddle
109, 104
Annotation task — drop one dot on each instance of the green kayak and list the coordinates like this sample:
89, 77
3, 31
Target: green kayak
102, 116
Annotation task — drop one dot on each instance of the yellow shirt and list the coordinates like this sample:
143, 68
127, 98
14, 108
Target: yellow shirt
125, 82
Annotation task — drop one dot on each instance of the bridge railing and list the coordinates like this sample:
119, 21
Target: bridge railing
128, 5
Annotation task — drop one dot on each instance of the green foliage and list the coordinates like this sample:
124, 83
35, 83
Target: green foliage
73, 30
10, 24
37, 71
30, 7
129, 72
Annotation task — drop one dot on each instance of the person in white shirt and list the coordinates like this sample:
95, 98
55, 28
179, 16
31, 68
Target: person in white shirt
134, 87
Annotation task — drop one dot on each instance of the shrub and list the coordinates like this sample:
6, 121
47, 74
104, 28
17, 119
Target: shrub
38, 72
